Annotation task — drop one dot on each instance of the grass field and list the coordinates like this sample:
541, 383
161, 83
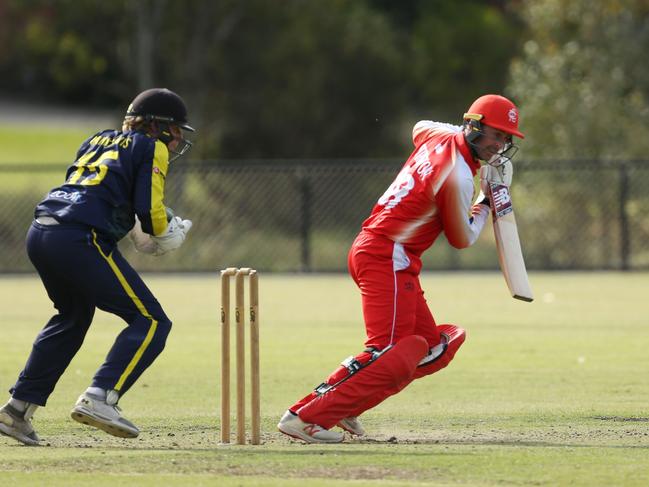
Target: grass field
41, 144
549, 393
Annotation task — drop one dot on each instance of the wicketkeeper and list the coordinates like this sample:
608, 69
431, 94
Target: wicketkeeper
432, 194
114, 187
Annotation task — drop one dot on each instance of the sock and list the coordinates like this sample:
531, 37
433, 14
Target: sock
97, 392
18, 404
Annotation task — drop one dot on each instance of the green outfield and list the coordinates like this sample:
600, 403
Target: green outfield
41, 144
549, 393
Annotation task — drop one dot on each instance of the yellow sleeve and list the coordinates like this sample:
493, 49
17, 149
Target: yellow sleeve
158, 176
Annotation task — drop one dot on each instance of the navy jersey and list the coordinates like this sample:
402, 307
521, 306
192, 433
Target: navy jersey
116, 175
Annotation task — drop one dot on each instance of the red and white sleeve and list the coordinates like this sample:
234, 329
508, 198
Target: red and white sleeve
462, 221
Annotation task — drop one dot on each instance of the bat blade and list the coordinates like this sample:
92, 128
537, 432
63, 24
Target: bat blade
510, 254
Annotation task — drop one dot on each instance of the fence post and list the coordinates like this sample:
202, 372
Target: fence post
625, 239
304, 185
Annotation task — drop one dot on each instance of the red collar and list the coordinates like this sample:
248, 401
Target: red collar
465, 150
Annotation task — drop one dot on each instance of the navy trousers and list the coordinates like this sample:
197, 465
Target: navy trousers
82, 272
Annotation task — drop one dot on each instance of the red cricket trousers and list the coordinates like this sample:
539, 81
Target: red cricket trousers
394, 309
393, 301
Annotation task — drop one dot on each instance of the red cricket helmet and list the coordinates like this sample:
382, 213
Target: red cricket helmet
497, 112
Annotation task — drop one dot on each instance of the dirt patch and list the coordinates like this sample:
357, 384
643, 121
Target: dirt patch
622, 419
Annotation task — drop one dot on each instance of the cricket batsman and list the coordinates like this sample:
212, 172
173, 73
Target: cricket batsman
433, 193
115, 187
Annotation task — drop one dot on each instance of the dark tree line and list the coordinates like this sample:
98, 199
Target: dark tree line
264, 78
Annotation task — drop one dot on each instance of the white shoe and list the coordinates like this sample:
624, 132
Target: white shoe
18, 424
352, 425
105, 415
292, 425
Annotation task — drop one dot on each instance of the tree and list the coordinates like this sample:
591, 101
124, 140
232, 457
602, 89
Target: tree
460, 50
289, 79
64, 50
582, 84
262, 78
583, 80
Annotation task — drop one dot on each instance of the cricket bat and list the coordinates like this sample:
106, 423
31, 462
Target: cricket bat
508, 245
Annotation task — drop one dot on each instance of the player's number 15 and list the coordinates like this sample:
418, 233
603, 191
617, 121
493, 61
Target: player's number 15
91, 173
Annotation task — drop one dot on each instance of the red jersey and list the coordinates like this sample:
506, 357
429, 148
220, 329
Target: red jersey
432, 193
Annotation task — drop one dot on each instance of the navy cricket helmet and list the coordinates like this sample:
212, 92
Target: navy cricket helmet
162, 105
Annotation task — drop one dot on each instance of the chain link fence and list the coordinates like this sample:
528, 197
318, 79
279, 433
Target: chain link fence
302, 216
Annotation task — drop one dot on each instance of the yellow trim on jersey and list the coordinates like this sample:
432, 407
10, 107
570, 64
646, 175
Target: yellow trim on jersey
138, 303
158, 175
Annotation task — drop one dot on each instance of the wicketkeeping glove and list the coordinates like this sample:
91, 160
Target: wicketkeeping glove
173, 237
142, 241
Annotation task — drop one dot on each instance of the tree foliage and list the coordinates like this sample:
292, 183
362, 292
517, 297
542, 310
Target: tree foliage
296, 78
583, 80
64, 51
457, 58
305, 80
